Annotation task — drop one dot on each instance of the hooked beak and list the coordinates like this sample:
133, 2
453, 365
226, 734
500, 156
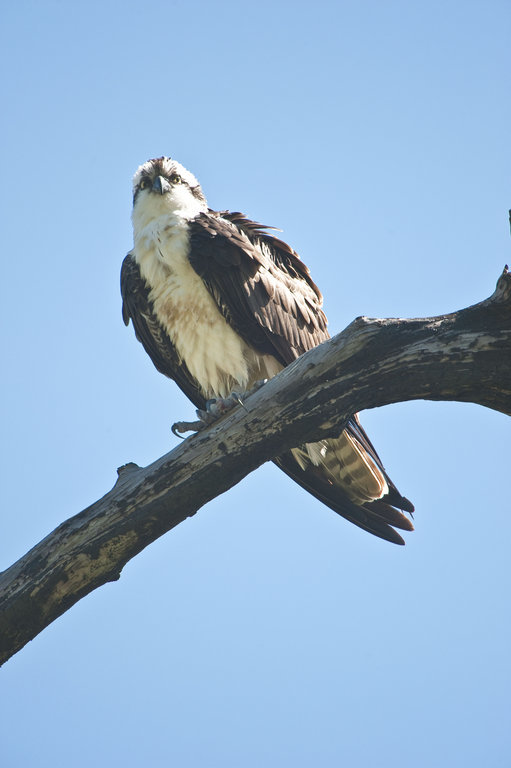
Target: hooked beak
161, 185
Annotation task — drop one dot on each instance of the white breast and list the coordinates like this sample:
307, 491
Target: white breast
215, 355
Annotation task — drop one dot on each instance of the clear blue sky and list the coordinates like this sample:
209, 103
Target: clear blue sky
376, 135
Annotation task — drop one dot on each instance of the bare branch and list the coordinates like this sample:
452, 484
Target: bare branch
463, 356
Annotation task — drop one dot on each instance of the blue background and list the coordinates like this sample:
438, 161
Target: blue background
265, 630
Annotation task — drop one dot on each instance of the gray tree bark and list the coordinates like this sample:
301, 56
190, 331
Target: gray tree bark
464, 356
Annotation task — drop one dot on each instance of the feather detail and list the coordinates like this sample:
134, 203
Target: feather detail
219, 302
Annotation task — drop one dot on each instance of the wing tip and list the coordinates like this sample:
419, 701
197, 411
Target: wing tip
377, 517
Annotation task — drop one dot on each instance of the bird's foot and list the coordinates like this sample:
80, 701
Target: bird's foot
186, 426
215, 409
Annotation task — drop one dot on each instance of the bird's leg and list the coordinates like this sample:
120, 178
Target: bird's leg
215, 409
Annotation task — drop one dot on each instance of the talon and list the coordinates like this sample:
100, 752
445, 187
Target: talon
214, 410
186, 426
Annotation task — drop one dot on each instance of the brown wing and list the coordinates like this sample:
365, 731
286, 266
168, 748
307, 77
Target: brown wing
259, 283
137, 307
266, 293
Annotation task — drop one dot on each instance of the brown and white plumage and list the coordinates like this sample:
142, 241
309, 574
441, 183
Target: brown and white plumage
219, 303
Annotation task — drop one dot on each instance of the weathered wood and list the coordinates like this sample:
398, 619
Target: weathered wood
463, 356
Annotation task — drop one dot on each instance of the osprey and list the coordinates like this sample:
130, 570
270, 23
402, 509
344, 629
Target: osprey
219, 304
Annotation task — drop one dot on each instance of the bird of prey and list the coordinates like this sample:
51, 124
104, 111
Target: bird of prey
219, 304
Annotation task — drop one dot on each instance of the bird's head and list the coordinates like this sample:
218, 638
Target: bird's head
164, 186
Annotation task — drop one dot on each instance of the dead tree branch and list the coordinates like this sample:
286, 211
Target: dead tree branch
464, 356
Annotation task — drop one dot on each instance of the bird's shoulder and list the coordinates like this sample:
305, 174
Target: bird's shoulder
232, 238
259, 283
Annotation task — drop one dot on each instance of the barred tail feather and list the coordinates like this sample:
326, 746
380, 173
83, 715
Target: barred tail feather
377, 516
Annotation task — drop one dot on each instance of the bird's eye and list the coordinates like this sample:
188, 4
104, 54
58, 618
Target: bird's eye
144, 184
175, 179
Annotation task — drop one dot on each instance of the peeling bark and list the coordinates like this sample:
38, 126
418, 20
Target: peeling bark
464, 356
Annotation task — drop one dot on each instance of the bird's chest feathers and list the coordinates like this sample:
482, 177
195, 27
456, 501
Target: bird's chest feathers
214, 354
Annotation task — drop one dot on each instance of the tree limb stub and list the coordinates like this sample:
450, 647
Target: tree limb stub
464, 356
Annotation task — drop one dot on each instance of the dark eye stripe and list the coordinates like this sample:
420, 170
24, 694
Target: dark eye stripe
174, 178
